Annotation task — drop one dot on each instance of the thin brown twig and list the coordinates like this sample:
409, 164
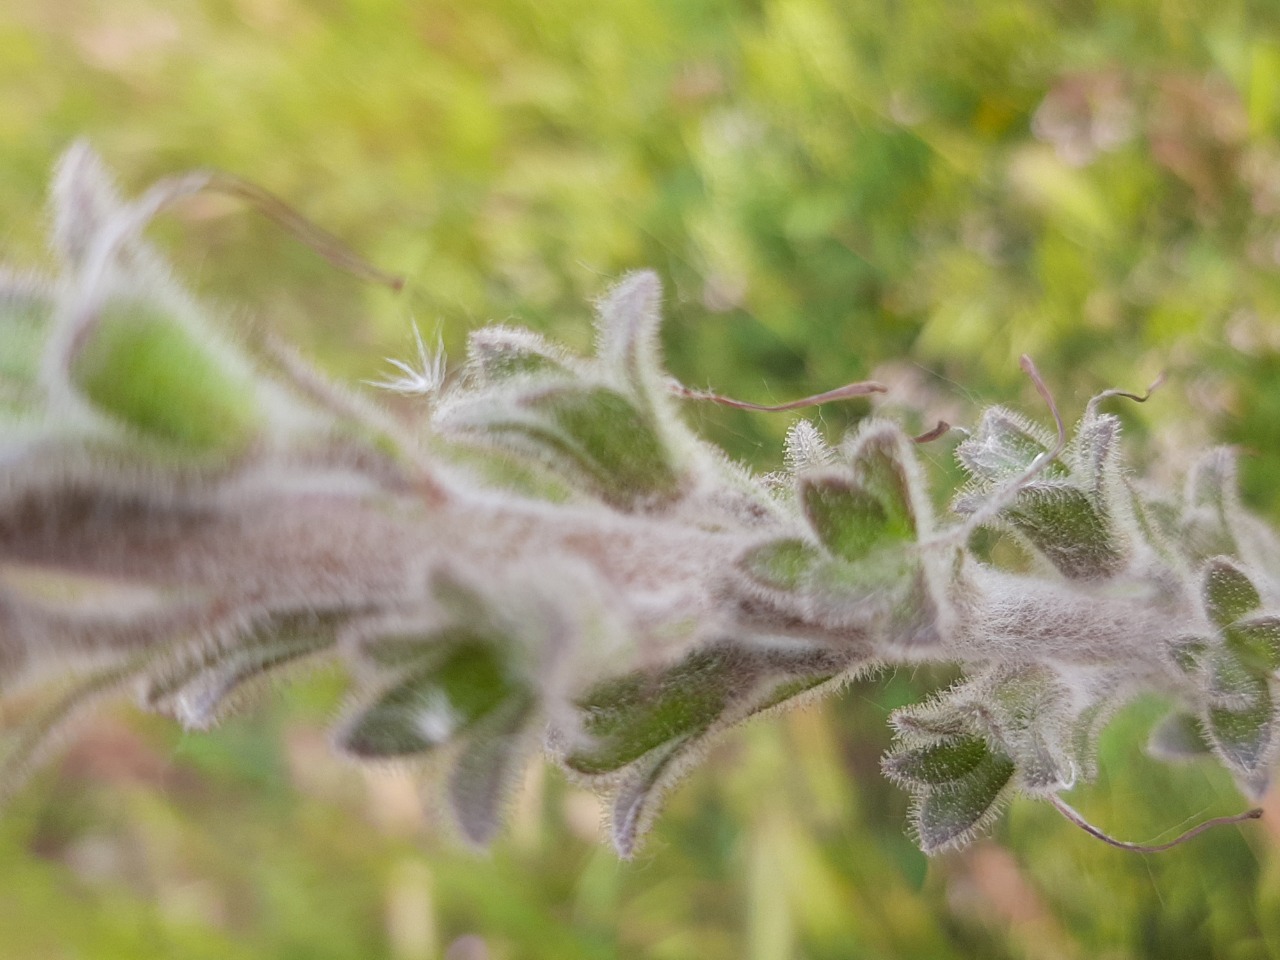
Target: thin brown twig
1143, 397
847, 392
1071, 814
1029, 368
165, 193
942, 429
314, 236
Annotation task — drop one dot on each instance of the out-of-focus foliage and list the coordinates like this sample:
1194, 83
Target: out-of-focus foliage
830, 189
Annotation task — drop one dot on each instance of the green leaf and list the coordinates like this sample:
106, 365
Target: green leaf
881, 459
627, 332
791, 688
1032, 714
196, 685
407, 649
765, 681
1228, 593
1178, 737
629, 716
593, 436
938, 763
939, 718
843, 591
496, 354
1242, 737
488, 768
780, 565
1160, 523
1231, 683
502, 469
1069, 527
1189, 653
641, 791
850, 521
1208, 505
430, 706
1095, 450
949, 816
1257, 642
1085, 728
614, 440
146, 369
1003, 446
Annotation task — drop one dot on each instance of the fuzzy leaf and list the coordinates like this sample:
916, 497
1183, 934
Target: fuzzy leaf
496, 354
1159, 522
1231, 683
1256, 642
1084, 732
949, 816
629, 716
889, 595
627, 331
1228, 593
640, 794
781, 564
1095, 450
196, 686
431, 706
147, 370
84, 199
940, 718
1243, 737
793, 687
489, 768
593, 436
843, 592
403, 650
850, 521
1066, 525
766, 680
1209, 502
805, 449
1178, 737
883, 463
1004, 445
937, 763
1029, 711
1042, 758
1189, 653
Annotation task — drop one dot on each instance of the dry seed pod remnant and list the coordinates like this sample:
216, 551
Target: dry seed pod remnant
551, 559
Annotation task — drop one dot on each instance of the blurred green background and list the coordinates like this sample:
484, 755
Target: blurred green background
830, 189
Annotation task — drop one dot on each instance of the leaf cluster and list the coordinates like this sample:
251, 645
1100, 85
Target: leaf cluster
547, 555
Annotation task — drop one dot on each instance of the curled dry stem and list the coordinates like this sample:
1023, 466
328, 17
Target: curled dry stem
165, 193
847, 392
291, 221
1074, 816
941, 429
1156, 384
